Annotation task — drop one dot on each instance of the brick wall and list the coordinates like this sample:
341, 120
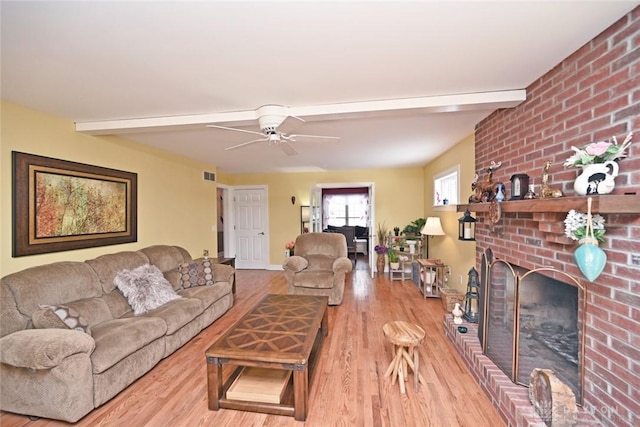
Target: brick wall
591, 96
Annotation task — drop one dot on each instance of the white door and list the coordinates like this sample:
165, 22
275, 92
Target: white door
251, 227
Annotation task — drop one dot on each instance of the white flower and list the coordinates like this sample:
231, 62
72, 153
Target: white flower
575, 226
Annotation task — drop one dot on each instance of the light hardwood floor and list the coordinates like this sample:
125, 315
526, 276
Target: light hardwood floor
349, 387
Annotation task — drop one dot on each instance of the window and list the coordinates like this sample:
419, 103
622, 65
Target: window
445, 187
346, 209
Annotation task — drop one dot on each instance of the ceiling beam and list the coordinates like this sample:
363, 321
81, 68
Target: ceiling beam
422, 105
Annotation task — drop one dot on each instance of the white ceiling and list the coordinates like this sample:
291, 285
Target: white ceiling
376, 73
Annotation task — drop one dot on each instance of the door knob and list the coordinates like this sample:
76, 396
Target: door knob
262, 233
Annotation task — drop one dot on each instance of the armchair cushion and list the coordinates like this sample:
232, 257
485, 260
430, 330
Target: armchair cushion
320, 262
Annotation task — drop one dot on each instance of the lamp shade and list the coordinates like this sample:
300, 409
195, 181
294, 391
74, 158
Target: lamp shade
305, 213
432, 227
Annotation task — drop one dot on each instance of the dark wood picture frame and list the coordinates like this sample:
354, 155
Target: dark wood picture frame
60, 205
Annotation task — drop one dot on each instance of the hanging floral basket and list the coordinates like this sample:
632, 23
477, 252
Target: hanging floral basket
589, 258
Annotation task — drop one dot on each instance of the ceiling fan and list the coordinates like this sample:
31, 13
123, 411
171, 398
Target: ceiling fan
276, 126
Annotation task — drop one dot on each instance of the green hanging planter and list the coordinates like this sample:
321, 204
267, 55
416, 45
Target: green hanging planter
590, 259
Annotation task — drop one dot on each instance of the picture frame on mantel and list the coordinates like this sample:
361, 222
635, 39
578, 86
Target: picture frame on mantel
60, 205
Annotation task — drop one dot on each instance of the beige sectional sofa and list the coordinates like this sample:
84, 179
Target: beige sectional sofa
64, 373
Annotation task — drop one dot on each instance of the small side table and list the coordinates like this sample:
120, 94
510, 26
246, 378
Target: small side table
406, 339
431, 289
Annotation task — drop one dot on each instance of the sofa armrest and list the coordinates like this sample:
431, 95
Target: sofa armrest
43, 348
223, 273
342, 265
295, 263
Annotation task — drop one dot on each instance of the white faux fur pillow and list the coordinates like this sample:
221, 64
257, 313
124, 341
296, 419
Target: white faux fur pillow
145, 288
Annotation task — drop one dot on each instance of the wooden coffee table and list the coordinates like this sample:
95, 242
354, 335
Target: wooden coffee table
282, 332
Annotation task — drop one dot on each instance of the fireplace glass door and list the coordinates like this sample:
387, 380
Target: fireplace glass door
534, 319
500, 321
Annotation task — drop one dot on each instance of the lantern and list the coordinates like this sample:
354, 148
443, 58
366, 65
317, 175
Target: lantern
471, 297
467, 227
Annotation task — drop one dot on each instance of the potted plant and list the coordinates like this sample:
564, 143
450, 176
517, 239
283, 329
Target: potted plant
414, 227
381, 247
394, 261
396, 231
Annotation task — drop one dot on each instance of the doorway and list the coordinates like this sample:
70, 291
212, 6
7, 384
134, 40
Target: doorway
318, 215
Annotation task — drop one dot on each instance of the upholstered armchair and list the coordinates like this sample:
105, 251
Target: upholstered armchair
319, 266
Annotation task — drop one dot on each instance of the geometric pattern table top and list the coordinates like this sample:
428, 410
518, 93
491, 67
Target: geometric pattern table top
280, 328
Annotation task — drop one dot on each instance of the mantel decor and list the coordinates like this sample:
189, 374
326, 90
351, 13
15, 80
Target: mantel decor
598, 163
60, 205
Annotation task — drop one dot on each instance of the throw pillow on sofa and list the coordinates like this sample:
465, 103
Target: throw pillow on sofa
59, 317
196, 273
145, 288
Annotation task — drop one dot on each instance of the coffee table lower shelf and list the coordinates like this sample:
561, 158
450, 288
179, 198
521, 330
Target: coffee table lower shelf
302, 376
285, 407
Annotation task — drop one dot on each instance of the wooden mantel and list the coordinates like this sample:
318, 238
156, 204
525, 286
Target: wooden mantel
605, 204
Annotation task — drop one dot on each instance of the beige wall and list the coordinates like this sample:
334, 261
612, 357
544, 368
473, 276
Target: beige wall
175, 205
458, 254
399, 198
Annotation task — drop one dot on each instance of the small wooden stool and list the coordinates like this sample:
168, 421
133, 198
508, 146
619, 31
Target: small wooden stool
405, 337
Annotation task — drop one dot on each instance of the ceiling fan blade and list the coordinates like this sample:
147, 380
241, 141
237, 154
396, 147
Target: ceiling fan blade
294, 136
245, 143
288, 148
289, 124
236, 129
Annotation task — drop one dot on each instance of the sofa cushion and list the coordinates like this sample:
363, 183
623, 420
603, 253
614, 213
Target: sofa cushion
145, 288
59, 317
54, 284
118, 338
196, 273
177, 313
117, 303
362, 232
167, 258
208, 294
93, 310
106, 267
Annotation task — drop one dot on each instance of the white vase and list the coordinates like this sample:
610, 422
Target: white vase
394, 265
596, 178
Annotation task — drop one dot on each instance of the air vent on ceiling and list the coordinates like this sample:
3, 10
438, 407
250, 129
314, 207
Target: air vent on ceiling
209, 176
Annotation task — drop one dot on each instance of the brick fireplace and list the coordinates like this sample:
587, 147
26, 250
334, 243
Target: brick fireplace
592, 95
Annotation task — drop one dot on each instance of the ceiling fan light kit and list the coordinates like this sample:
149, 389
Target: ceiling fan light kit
275, 126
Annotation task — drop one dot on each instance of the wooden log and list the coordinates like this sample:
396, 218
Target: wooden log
552, 399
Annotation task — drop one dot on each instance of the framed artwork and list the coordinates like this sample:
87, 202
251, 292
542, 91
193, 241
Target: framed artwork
60, 205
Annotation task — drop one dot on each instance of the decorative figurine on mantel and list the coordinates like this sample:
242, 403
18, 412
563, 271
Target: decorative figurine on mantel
484, 192
547, 192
